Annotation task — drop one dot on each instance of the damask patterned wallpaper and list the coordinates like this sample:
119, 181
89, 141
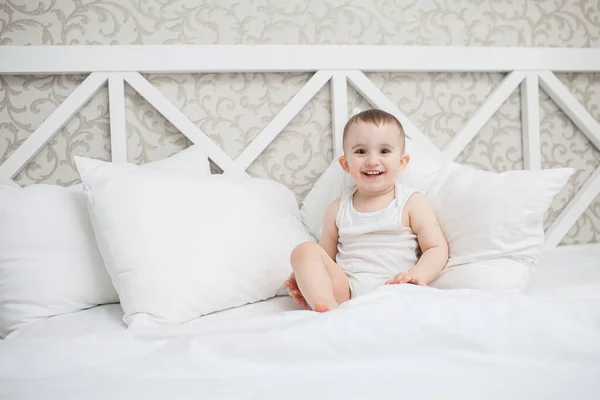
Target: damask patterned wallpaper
233, 108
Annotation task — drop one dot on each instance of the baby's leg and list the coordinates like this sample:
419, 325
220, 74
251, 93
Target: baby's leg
321, 281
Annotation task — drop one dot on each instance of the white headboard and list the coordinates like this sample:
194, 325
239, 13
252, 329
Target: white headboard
342, 65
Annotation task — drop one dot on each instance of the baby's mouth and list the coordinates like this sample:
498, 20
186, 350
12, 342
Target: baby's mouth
372, 174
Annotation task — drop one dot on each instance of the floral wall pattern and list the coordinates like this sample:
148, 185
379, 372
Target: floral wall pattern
233, 108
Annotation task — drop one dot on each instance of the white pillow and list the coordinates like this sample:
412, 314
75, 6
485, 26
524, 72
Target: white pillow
334, 181
49, 259
330, 185
178, 247
494, 223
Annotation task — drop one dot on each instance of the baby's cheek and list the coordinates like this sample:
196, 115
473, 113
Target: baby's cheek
355, 165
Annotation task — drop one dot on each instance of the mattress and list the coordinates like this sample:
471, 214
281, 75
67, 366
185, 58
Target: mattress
402, 341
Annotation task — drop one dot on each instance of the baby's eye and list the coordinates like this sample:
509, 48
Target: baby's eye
361, 151
385, 151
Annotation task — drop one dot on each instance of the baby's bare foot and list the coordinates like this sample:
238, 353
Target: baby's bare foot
322, 307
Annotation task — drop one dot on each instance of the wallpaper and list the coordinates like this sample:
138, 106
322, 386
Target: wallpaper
233, 108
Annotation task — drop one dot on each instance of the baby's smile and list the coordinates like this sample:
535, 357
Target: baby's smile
373, 174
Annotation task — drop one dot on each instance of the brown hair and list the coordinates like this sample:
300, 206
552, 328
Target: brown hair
376, 117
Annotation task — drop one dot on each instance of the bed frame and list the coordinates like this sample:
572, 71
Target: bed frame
342, 65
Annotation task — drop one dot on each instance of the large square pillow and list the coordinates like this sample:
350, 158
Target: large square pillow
178, 246
49, 259
493, 221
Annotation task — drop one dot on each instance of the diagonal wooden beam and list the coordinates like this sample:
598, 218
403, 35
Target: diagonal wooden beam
580, 116
51, 125
274, 128
178, 119
376, 98
576, 207
482, 115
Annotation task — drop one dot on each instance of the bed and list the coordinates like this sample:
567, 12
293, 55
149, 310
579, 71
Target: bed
396, 342
272, 349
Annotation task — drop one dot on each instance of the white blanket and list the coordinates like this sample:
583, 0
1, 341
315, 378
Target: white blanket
399, 342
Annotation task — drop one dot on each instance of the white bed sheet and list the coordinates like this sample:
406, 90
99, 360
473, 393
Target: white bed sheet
569, 271
407, 342
565, 271
108, 319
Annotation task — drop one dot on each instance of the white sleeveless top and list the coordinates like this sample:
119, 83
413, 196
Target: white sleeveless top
375, 242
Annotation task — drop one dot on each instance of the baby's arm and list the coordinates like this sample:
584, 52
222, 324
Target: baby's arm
431, 239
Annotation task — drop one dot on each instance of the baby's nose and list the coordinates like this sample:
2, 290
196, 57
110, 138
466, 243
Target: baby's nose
373, 159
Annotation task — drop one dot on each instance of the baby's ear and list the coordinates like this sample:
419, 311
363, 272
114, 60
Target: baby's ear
344, 163
404, 160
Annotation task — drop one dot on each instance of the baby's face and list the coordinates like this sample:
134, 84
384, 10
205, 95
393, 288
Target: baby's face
373, 155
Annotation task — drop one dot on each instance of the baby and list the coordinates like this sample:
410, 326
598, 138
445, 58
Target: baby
373, 234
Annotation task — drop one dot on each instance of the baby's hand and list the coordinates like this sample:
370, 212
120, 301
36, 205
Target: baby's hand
294, 292
405, 277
